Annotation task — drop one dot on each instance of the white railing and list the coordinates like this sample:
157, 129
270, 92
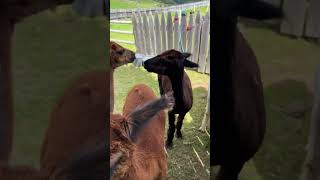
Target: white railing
127, 13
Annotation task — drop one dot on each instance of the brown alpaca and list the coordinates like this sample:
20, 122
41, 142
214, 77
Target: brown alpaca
137, 137
118, 56
79, 114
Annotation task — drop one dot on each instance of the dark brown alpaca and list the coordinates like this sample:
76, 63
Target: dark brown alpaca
237, 100
79, 114
118, 56
171, 76
137, 136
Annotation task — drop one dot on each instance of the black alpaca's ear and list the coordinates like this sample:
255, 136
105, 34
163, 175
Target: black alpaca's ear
186, 55
260, 10
189, 64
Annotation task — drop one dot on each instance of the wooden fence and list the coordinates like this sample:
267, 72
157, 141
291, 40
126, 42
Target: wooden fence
302, 17
159, 32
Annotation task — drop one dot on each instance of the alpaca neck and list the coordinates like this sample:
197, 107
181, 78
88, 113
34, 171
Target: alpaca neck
177, 86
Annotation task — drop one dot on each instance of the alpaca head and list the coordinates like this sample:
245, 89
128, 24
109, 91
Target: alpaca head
169, 62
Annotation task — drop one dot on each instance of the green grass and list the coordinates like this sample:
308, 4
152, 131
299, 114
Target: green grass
49, 50
130, 4
182, 158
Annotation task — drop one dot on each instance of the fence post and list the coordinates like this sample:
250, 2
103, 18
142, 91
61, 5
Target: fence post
158, 35
176, 31
136, 33
169, 30
163, 29
204, 43
190, 34
140, 34
208, 61
293, 23
197, 28
152, 34
146, 33
313, 20
183, 29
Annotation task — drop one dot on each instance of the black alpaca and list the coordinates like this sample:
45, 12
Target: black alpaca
171, 76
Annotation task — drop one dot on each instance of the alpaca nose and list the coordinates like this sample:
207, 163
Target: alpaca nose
145, 63
132, 58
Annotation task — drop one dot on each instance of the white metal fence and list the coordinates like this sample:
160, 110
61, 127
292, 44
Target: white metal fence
127, 13
184, 32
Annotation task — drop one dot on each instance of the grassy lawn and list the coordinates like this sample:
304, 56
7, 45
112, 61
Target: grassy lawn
49, 50
130, 4
182, 160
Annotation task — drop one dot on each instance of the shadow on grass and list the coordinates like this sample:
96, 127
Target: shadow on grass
288, 107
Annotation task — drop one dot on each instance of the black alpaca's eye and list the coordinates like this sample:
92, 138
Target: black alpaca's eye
120, 52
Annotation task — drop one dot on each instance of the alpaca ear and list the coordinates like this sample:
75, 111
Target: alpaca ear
186, 55
189, 64
113, 46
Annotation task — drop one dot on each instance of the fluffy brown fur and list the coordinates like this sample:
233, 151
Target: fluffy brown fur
144, 158
80, 113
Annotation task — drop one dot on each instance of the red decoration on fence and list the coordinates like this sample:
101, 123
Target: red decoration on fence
176, 20
189, 28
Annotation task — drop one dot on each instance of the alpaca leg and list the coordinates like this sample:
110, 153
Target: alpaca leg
229, 172
171, 129
179, 125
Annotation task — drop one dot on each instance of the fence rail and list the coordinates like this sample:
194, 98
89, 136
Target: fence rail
125, 13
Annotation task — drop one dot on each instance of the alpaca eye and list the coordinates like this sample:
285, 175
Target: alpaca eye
120, 52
